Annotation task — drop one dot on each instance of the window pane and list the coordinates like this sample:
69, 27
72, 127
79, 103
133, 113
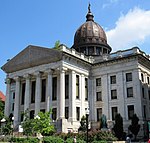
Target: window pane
66, 86
113, 79
86, 89
54, 88
99, 113
54, 113
114, 94
43, 91
99, 96
114, 112
129, 92
98, 82
130, 111
77, 86
128, 77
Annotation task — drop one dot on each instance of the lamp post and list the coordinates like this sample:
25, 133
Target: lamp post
87, 124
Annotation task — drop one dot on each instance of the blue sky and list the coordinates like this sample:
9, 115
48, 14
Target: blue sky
43, 22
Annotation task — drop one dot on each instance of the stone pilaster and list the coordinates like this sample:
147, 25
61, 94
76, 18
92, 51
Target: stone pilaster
7, 101
37, 93
16, 107
27, 92
82, 85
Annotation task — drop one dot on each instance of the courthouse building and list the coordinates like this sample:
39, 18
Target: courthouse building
70, 80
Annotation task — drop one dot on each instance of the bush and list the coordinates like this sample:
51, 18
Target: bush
25, 140
99, 142
52, 139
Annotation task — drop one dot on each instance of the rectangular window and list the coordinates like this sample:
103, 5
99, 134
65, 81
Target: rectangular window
99, 96
113, 79
66, 112
98, 82
13, 105
99, 113
144, 108
77, 86
23, 93
148, 80
149, 94
86, 89
33, 91
43, 91
13, 95
130, 92
130, 111
32, 114
114, 111
54, 88
143, 93
54, 113
22, 116
114, 94
142, 77
128, 77
78, 113
66, 86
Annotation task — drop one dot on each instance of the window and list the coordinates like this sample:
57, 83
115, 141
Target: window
128, 77
22, 116
78, 113
32, 114
54, 113
13, 95
143, 93
130, 111
114, 94
99, 113
43, 91
99, 96
114, 111
144, 111
54, 88
13, 105
113, 79
42, 110
130, 92
23, 93
86, 89
148, 80
66, 86
77, 86
98, 82
142, 77
33, 91
149, 94
66, 112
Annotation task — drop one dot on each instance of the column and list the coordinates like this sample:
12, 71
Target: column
27, 92
72, 96
49, 91
37, 93
62, 94
7, 101
16, 107
82, 89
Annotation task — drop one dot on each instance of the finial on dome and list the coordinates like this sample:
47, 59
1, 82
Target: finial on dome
89, 16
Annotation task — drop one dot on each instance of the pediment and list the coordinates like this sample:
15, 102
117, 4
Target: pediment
32, 56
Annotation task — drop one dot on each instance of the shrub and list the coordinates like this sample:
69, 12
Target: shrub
25, 140
52, 139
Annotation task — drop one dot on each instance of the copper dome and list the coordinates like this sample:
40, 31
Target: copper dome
90, 34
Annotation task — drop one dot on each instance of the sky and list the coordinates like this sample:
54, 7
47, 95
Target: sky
43, 22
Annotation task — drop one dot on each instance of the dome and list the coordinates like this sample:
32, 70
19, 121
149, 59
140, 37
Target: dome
90, 38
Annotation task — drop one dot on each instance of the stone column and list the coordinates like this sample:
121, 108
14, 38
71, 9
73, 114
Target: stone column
62, 94
16, 107
72, 96
27, 92
49, 91
82, 96
37, 93
7, 101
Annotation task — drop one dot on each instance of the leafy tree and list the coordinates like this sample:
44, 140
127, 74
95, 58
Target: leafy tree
83, 124
118, 127
42, 124
1, 109
134, 127
57, 44
27, 124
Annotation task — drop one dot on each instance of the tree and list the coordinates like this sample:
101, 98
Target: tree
57, 44
83, 124
118, 127
1, 109
42, 124
134, 127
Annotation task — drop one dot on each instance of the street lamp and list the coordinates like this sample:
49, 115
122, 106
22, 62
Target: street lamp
87, 123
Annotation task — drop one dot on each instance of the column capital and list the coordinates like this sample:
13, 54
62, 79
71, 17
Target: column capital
27, 76
49, 71
38, 73
8, 80
17, 78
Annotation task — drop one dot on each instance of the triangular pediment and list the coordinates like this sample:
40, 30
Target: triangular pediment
32, 56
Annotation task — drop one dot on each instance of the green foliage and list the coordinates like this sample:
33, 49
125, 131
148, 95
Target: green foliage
52, 139
82, 124
25, 140
118, 127
57, 44
43, 124
99, 142
1, 109
134, 127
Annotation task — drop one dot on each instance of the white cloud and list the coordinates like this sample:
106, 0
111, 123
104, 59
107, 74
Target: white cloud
131, 29
109, 3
